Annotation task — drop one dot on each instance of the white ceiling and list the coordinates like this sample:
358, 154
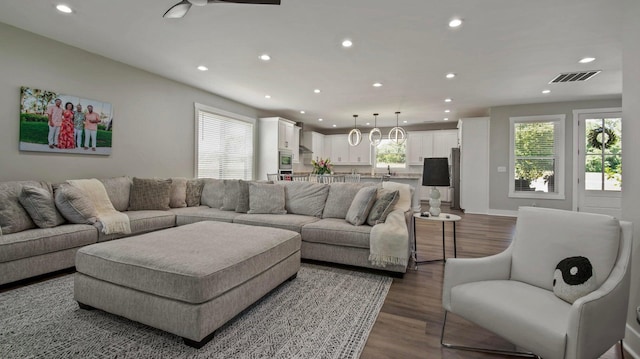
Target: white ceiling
505, 52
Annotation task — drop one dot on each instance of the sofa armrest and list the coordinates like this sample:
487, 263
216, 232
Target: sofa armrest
466, 270
598, 319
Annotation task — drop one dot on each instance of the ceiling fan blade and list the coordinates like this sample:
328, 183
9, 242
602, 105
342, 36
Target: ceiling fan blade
178, 10
259, 2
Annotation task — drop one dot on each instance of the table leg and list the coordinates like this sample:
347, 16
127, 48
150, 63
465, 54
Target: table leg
444, 258
455, 246
415, 243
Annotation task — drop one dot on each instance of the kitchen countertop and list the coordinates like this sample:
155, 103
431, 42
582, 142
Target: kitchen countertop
391, 178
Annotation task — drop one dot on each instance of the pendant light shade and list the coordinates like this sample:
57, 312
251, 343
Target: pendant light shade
397, 134
355, 136
375, 135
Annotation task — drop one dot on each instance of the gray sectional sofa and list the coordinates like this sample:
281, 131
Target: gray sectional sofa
316, 211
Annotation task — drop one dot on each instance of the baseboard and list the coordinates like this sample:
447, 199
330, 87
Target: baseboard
631, 342
503, 212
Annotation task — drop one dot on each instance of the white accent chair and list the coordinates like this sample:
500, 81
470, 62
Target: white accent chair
511, 293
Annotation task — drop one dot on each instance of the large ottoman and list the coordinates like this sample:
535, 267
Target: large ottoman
186, 280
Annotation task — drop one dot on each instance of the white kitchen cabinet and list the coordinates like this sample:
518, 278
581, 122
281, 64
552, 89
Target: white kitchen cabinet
338, 150
474, 164
295, 144
275, 134
425, 144
443, 142
360, 154
286, 135
419, 147
315, 142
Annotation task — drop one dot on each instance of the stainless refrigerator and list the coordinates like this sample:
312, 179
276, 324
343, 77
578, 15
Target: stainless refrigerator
455, 177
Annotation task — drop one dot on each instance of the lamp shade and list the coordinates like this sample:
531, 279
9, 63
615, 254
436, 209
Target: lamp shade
435, 172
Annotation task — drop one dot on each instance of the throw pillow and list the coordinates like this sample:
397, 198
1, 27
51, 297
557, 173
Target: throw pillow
150, 194
305, 198
118, 189
74, 205
361, 205
573, 278
39, 203
383, 206
194, 192
243, 195
231, 195
266, 198
340, 197
13, 217
178, 193
212, 193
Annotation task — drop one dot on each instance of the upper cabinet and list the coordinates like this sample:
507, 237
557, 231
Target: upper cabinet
275, 134
295, 144
315, 142
425, 144
443, 142
337, 148
286, 134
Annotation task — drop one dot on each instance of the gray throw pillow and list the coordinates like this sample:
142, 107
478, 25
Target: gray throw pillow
340, 197
118, 190
305, 198
178, 193
74, 205
194, 192
39, 203
361, 205
150, 194
383, 206
212, 193
266, 198
13, 217
243, 195
231, 195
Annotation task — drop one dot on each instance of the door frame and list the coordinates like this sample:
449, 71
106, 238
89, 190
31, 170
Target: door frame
576, 144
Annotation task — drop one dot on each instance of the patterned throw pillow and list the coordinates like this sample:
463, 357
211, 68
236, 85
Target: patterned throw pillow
150, 194
39, 203
361, 205
194, 192
74, 205
178, 193
383, 206
573, 278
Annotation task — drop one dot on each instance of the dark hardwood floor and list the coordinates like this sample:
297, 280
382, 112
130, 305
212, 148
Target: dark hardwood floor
409, 324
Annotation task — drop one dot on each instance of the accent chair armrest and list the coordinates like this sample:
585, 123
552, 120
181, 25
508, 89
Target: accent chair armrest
466, 270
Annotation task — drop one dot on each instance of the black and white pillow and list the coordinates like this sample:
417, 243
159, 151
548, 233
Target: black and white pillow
573, 278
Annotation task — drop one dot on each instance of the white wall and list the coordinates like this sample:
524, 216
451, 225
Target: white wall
630, 150
153, 133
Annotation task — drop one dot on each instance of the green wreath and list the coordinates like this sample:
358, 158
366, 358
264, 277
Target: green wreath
602, 137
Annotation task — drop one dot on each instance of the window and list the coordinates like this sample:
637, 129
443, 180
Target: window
537, 157
224, 144
389, 154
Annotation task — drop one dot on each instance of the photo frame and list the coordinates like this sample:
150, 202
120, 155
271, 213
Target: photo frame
60, 123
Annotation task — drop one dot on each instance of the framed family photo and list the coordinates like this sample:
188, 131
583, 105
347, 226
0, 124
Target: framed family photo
59, 123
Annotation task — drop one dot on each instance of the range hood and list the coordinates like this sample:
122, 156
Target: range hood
303, 149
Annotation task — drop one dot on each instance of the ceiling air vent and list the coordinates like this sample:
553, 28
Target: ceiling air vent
574, 76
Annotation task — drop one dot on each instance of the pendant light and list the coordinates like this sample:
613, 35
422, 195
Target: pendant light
375, 136
355, 136
397, 134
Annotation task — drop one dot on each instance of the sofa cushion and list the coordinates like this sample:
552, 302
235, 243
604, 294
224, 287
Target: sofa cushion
39, 203
340, 197
231, 194
202, 213
74, 206
194, 192
361, 205
13, 217
178, 192
118, 189
544, 237
386, 200
142, 222
212, 193
292, 222
305, 197
150, 194
266, 199
337, 232
38, 241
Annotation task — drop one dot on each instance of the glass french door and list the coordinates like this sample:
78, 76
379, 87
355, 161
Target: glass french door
600, 163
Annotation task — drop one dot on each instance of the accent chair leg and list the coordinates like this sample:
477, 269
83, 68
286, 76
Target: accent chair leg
621, 350
480, 350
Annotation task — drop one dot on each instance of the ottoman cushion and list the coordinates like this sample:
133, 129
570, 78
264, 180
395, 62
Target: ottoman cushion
193, 263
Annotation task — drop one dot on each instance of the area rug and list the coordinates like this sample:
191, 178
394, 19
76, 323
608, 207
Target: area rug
324, 313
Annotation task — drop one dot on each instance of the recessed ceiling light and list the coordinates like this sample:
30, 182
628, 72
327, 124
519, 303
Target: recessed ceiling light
377, 84
447, 100
405, 121
368, 123
265, 57
267, 96
586, 60
316, 90
334, 125
546, 91
64, 8
302, 112
446, 119
447, 111
320, 119
455, 22
203, 68
347, 43
451, 75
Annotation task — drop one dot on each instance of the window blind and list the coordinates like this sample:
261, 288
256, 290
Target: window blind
225, 147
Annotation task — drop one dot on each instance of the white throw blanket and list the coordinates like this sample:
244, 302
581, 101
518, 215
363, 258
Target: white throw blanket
112, 221
389, 241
